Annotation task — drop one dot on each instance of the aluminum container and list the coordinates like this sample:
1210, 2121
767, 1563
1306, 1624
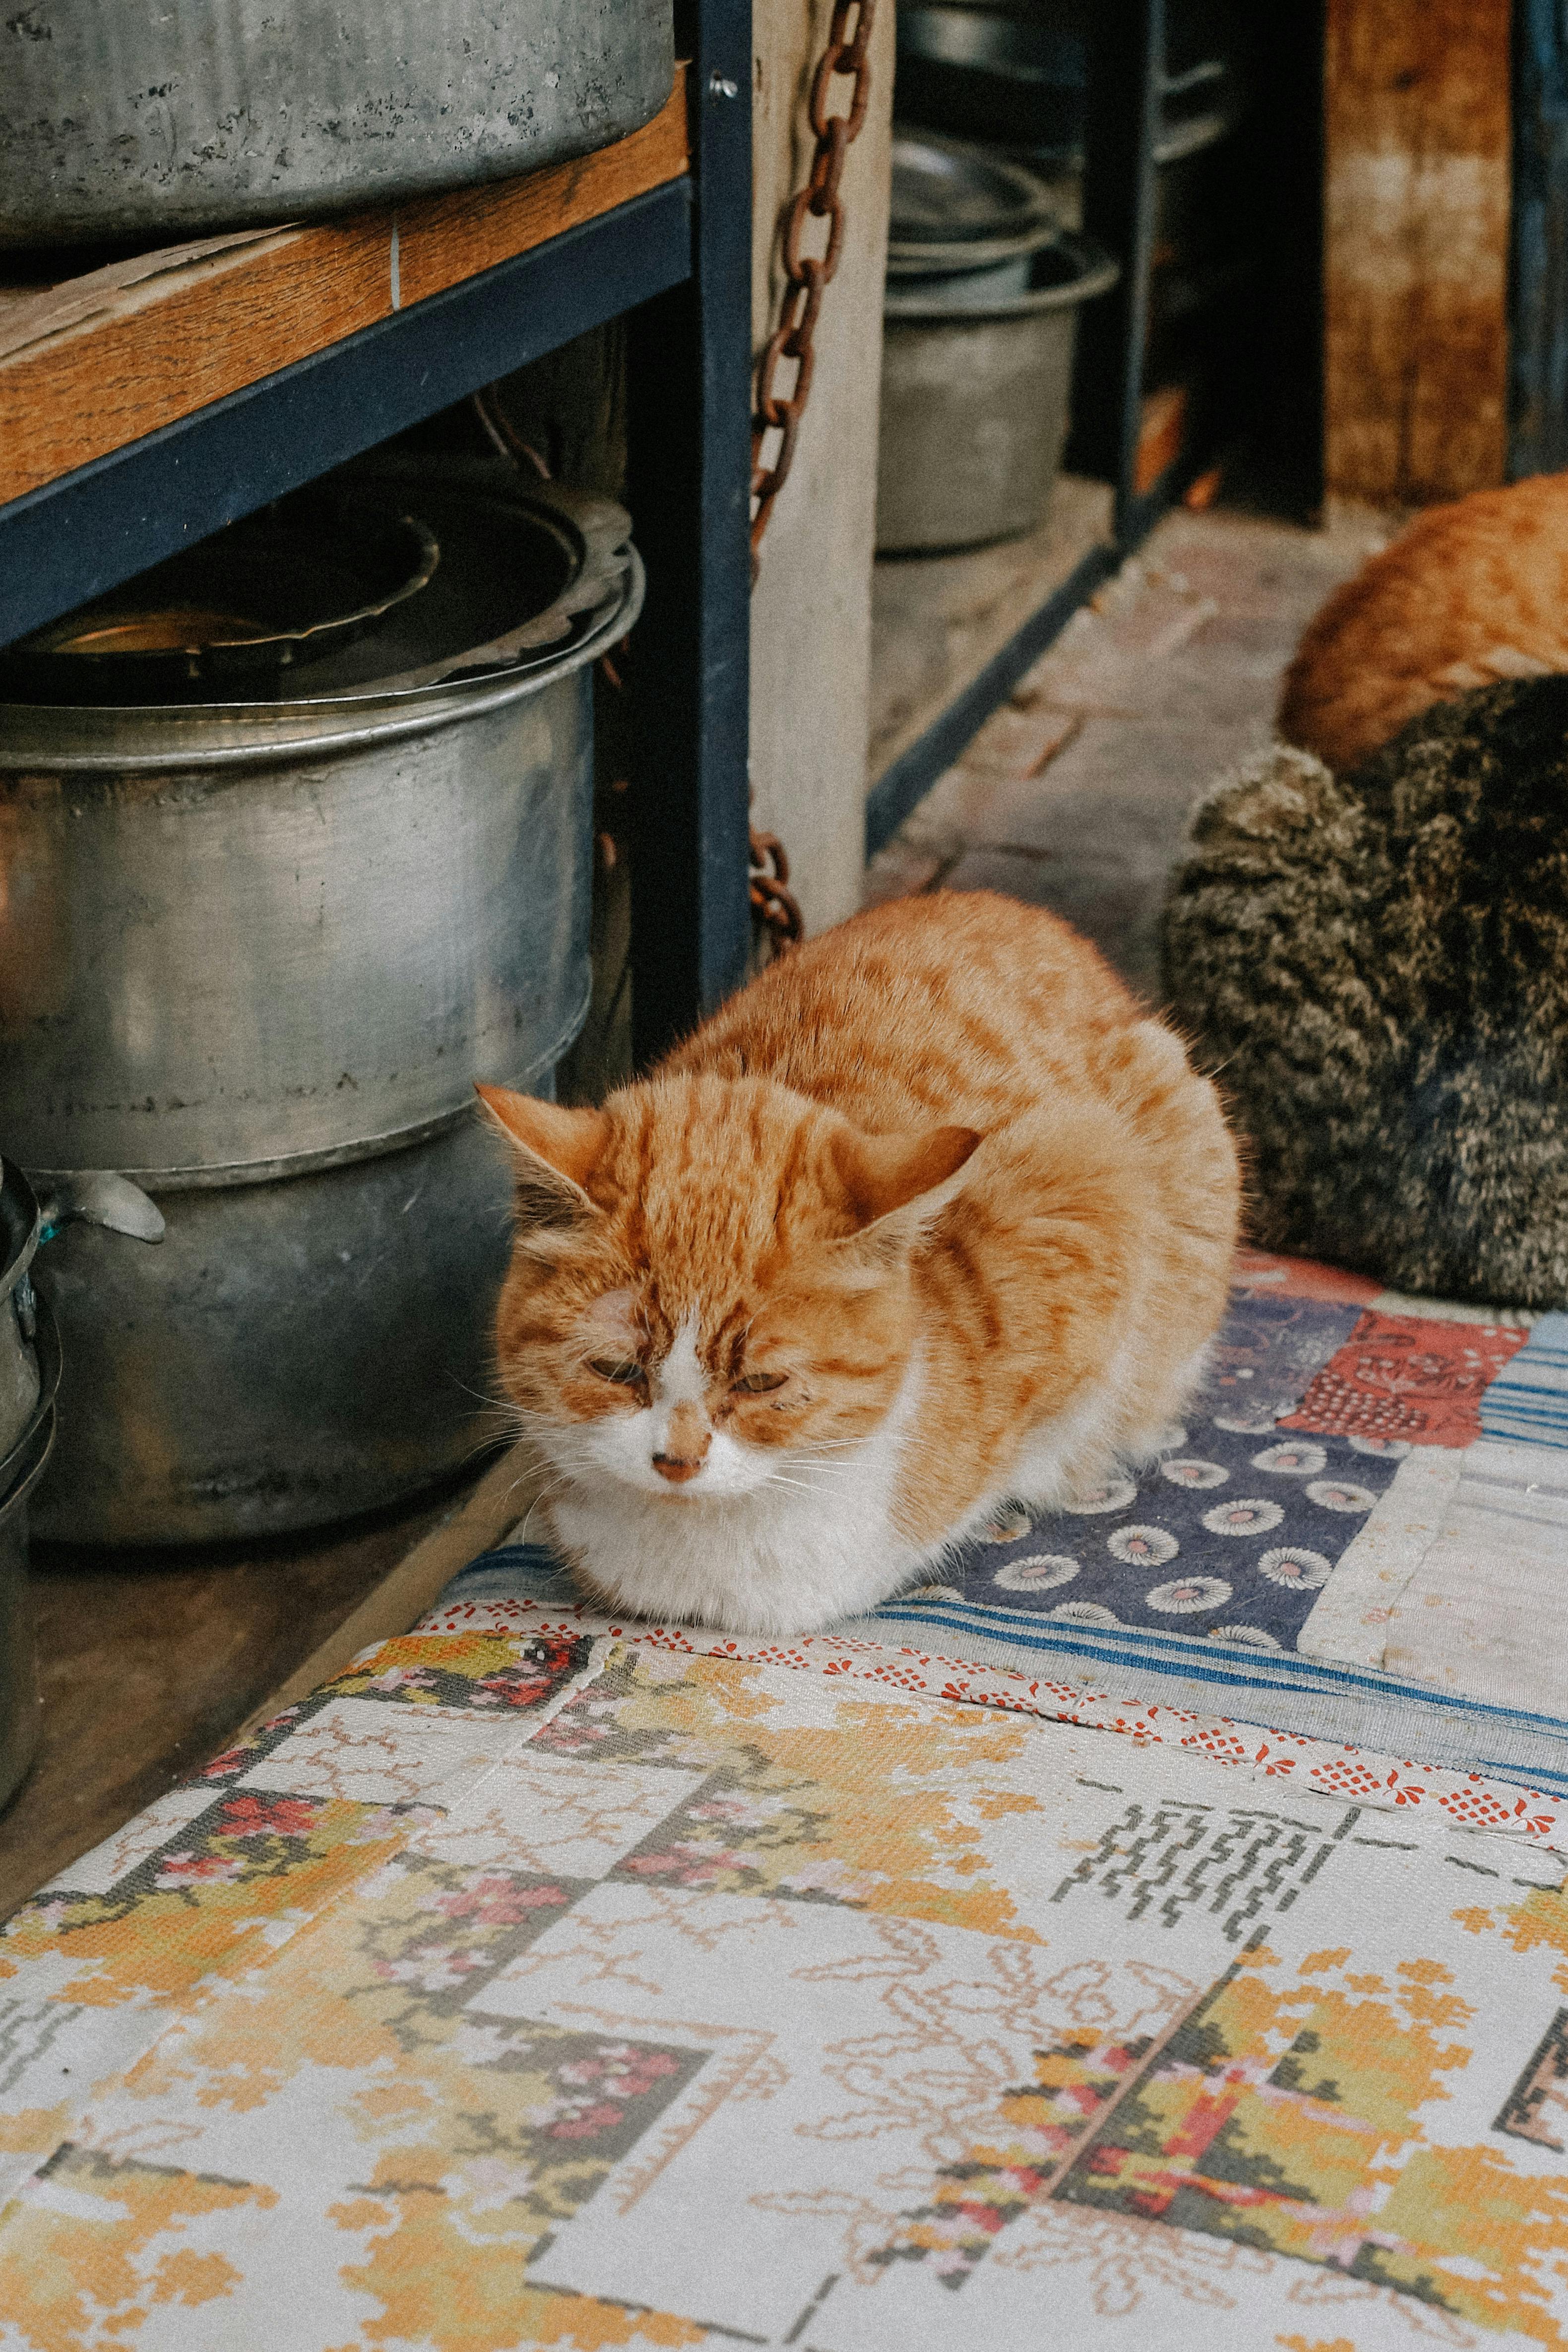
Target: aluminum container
256, 954
212, 114
295, 1352
974, 397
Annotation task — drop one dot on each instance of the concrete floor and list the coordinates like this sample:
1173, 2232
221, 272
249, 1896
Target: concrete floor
1074, 795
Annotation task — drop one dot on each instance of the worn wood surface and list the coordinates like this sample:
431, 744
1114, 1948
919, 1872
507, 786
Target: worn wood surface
153, 341
1416, 137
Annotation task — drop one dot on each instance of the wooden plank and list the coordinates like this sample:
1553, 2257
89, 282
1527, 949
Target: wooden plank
1416, 133
209, 322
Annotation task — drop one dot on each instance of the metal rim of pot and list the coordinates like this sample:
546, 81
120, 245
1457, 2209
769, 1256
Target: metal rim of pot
597, 607
1096, 271
1038, 221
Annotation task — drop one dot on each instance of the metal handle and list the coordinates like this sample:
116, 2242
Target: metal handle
94, 1197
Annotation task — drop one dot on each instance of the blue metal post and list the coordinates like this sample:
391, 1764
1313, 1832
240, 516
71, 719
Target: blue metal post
690, 385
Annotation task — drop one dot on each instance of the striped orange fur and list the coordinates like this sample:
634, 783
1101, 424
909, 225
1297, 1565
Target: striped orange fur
930, 1216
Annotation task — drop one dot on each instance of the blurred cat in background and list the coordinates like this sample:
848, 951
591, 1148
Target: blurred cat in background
1468, 595
929, 1217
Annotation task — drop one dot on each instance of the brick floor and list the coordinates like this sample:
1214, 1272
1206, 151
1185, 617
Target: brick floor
1075, 793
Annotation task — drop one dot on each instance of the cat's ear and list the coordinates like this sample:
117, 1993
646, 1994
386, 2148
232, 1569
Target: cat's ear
883, 1175
555, 1151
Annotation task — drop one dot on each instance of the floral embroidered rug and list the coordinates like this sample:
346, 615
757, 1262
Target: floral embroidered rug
538, 1984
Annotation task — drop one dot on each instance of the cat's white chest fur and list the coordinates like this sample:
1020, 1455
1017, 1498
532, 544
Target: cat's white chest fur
814, 1541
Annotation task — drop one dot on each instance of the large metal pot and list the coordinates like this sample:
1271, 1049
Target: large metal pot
207, 115
250, 942
975, 383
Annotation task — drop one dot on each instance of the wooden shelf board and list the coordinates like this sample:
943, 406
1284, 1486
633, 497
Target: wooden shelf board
95, 363
937, 621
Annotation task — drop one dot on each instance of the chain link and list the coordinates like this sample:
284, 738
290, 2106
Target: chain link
806, 274
774, 904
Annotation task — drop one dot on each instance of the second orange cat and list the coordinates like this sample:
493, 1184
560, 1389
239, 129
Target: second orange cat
1468, 595
929, 1217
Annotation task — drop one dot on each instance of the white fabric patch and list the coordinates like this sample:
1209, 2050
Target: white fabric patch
1348, 1622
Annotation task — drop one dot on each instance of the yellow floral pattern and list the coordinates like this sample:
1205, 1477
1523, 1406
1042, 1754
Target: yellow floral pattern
660, 1999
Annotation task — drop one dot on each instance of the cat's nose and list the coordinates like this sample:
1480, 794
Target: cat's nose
677, 1467
685, 1445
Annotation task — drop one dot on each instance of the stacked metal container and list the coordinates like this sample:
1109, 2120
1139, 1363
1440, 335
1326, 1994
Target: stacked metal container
263, 925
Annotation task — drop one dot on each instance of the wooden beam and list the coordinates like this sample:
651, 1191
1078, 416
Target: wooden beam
1417, 135
94, 364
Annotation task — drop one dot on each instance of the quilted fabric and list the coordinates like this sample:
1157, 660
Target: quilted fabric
1030, 1962
528, 1987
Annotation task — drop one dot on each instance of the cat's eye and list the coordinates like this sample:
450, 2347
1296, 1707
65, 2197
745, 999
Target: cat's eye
759, 1384
625, 1373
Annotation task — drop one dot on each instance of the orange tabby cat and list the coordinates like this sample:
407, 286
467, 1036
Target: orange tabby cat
1468, 594
930, 1216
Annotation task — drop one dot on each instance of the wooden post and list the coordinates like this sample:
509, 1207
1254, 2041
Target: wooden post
811, 611
1416, 134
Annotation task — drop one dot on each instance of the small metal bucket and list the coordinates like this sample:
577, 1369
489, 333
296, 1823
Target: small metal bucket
975, 382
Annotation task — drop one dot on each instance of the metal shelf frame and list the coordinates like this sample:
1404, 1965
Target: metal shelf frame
677, 261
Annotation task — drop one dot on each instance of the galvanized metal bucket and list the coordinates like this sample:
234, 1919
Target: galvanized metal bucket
255, 955
975, 385
212, 114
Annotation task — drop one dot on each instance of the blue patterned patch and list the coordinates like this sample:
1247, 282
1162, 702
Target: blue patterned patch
1233, 1533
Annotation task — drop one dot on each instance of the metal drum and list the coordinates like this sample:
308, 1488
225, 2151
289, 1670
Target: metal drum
254, 954
212, 114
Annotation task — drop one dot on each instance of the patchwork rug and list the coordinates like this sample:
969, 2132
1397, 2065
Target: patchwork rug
529, 1987
1360, 1535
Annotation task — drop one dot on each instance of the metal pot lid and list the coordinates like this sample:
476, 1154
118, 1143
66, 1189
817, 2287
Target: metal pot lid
535, 580
291, 585
1070, 270
956, 206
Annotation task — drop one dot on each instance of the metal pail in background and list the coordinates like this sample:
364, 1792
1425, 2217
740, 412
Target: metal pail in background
975, 387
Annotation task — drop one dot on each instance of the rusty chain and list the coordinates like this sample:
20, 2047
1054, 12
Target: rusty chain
808, 275
774, 904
